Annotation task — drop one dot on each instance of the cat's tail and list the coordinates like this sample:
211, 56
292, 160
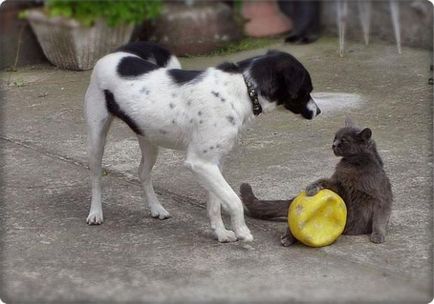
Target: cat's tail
262, 209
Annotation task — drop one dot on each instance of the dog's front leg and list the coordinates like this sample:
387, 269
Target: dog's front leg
214, 212
210, 177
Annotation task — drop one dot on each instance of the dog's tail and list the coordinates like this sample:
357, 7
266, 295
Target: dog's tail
260, 208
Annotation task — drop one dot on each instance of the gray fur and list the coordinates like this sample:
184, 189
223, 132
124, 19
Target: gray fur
359, 178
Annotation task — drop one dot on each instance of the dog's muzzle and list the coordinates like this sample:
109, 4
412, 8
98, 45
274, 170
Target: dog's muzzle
311, 111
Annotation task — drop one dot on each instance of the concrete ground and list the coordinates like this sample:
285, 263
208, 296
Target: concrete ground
49, 254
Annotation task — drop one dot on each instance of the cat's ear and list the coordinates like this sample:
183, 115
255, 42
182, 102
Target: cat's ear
365, 134
349, 122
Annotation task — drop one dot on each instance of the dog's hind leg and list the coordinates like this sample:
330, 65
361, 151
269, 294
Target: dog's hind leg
149, 157
98, 121
210, 177
214, 213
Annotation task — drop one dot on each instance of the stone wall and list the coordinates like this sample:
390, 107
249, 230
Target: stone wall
197, 29
14, 31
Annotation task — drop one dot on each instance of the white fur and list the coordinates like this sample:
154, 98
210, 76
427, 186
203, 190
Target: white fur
311, 105
188, 117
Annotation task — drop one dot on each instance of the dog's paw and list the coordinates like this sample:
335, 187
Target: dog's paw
377, 238
159, 212
312, 189
225, 236
94, 218
244, 234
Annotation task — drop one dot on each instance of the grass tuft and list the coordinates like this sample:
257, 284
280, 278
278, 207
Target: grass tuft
244, 45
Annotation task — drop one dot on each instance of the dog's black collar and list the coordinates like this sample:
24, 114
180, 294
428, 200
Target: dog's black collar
253, 95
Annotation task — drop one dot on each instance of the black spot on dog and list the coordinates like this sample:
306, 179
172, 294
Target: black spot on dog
174, 95
171, 105
229, 67
181, 77
217, 146
134, 66
199, 113
189, 103
114, 109
222, 99
204, 151
211, 147
216, 94
231, 119
147, 51
173, 121
232, 106
163, 131
191, 120
201, 121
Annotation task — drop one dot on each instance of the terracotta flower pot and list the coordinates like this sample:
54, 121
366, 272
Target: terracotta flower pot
70, 45
265, 19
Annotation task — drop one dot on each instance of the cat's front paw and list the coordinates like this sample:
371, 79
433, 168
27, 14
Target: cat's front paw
287, 239
312, 189
377, 238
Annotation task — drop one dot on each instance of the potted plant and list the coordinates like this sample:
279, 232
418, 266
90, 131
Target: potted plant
74, 34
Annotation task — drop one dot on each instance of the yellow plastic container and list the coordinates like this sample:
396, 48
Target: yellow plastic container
318, 220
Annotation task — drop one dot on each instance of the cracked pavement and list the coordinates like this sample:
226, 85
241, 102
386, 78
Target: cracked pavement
49, 254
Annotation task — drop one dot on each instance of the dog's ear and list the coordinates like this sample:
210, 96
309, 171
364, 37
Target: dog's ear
278, 78
273, 52
349, 122
264, 74
293, 80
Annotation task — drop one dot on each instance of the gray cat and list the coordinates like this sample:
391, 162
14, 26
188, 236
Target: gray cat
359, 178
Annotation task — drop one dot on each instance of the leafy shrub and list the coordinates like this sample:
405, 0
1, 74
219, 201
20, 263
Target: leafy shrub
114, 12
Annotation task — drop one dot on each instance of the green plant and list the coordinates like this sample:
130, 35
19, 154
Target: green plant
18, 83
114, 12
238, 4
245, 44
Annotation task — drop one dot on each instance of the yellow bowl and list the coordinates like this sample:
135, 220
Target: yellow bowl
317, 220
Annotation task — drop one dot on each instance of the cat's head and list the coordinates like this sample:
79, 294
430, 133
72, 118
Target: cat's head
351, 140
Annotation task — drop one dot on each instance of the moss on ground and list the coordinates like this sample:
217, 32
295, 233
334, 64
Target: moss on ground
244, 44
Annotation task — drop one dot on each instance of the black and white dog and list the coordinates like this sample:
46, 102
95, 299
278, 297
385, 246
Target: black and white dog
200, 112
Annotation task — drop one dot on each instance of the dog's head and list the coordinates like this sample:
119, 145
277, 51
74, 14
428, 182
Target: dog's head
283, 79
